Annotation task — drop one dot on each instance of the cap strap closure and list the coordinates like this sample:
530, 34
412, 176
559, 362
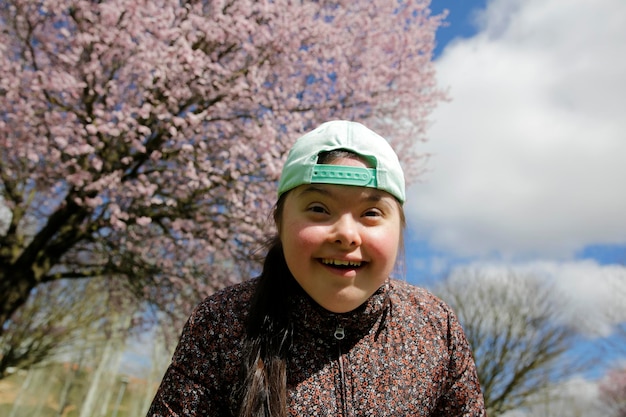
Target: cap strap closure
344, 175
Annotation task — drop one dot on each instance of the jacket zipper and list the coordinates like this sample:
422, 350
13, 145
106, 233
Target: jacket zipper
339, 336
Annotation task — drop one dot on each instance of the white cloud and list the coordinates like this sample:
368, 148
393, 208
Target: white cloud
529, 157
590, 296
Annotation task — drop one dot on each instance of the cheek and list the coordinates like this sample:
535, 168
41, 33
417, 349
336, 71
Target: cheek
386, 243
296, 235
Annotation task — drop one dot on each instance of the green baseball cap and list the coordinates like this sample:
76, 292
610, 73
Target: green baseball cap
302, 167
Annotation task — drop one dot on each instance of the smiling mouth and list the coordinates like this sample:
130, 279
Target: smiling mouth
341, 264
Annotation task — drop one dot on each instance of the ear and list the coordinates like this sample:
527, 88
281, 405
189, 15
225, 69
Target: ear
278, 231
278, 214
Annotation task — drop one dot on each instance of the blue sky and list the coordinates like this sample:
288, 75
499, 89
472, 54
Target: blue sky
527, 169
460, 22
528, 158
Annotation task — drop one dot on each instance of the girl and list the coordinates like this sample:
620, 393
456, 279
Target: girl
325, 331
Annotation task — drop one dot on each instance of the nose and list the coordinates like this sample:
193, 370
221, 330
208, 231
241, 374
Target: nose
346, 232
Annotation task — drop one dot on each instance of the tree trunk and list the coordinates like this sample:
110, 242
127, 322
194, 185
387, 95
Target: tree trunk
15, 287
17, 403
89, 405
23, 268
42, 393
68, 384
105, 374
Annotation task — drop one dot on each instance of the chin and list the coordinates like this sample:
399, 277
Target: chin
344, 305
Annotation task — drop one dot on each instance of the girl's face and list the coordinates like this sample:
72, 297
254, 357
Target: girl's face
340, 242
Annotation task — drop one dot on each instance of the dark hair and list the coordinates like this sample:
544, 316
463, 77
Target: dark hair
328, 157
268, 336
269, 331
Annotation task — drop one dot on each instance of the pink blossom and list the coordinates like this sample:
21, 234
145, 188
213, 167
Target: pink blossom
143, 221
151, 113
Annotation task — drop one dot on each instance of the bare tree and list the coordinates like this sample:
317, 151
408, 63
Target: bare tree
48, 322
60, 318
512, 323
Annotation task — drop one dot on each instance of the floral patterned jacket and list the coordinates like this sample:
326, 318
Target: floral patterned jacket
402, 353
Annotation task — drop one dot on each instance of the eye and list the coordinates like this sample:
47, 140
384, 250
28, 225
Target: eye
373, 212
317, 208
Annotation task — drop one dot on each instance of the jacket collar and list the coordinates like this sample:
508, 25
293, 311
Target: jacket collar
308, 317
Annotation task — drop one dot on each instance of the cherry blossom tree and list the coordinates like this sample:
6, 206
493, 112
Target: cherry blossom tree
613, 392
143, 138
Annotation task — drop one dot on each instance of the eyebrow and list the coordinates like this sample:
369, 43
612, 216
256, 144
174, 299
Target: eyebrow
373, 194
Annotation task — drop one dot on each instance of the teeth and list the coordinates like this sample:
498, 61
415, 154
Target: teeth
338, 262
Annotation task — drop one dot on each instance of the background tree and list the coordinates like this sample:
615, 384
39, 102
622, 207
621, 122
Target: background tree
613, 393
48, 323
615, 343
63, 318
512, 322
143, 138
